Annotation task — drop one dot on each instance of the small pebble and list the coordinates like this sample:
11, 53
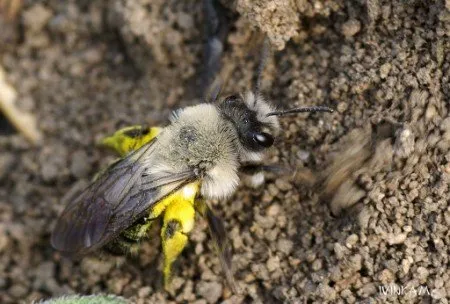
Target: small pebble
384, 70
422, 274
18, 291
273, 263
283, 185
211, 291
386, 276
351, 28
394, 239
273, 210
340, 251
351, 240
285, 246
36, 17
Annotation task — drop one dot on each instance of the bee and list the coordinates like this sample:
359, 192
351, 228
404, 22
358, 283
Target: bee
170, 173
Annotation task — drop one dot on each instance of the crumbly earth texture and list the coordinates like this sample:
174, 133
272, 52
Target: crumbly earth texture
366, 213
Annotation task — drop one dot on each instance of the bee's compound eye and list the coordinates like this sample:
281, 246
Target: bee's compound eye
263, 139
232, 100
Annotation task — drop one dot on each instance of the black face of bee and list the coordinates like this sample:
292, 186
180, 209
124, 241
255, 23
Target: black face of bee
246, 123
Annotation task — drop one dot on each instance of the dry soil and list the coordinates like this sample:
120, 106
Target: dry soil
367, 209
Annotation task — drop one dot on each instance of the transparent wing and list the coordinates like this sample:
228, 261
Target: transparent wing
220, 240
113, 202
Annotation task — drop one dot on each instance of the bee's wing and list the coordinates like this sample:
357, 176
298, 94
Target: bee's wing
221, 242
115, 201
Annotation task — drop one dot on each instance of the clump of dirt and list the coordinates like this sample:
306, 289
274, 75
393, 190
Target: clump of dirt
377, 217
283, 20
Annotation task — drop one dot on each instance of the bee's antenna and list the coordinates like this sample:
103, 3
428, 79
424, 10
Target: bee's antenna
301, 110
265, 52
214, 91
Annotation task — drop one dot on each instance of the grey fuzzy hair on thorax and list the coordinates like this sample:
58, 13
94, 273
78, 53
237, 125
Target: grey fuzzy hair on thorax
199, 137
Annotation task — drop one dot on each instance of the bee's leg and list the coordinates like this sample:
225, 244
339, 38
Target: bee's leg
255, 172
178, 221
138, 231
220, 240
256, 180
129, 139
216, 31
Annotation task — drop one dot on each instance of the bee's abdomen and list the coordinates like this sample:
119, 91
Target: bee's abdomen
128, 240
122, 246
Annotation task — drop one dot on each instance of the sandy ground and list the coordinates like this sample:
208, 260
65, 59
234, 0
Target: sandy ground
368, 209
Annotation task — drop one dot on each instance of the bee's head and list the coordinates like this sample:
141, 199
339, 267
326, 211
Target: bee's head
249, 115
255, 120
